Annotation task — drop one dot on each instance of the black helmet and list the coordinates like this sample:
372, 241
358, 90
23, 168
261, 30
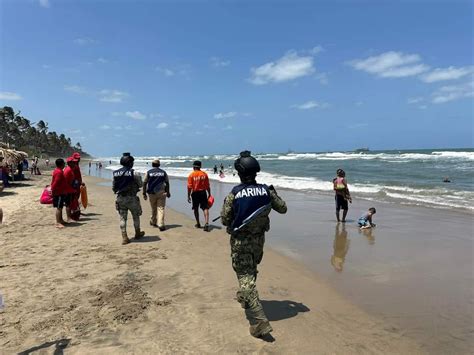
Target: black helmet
246, 165
127, 160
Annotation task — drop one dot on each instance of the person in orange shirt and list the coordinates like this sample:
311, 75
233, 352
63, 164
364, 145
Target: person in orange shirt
199, 191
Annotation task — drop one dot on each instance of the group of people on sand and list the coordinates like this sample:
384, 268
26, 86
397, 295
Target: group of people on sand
343, 198
245, 214
66, 188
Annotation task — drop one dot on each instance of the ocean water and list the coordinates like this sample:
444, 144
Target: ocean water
406, 177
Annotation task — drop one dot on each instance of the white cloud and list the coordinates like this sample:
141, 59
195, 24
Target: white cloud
10, 96
449, 73
76, 89
46, 66
414, 100
44, 3
136, 115
112, 95
391, 65
104, 126
165, 71
219, 62
310, 105
162, 125
423, 107
316, 50
102, 60
289, 67
323, 78
359, 103
227, 128
453, 92
223, 115
84, 41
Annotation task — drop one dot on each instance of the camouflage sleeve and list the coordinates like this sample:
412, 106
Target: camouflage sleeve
277, 202
227, 213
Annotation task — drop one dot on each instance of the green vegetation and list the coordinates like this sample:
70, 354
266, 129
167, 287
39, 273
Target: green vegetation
20, 133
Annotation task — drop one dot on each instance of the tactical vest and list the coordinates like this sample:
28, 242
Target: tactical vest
250, 201
123, 178
156, 179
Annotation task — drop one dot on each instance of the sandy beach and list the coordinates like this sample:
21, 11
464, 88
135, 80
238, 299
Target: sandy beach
79, 290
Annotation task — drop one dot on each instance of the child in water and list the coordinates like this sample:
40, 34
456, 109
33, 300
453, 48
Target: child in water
365, 221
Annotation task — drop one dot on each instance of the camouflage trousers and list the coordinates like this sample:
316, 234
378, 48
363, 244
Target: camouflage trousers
123, 204
247, 253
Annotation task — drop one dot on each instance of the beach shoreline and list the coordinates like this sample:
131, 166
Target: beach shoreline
58, 285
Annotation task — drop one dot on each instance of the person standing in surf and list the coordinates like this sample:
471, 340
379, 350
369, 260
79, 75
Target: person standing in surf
342, 194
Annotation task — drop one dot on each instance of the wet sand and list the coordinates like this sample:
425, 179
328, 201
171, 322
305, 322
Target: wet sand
413, 271
80, 290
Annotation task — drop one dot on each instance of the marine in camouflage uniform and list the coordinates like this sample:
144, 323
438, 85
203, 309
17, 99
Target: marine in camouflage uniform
245, 214
126, 184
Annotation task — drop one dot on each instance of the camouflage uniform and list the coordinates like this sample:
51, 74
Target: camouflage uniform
129, 201
247, 252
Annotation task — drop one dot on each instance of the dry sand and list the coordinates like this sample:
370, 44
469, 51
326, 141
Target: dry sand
172, 292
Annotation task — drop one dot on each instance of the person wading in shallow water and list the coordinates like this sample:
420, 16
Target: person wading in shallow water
126, 185
245, 213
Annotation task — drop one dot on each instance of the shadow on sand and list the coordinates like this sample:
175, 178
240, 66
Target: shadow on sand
146, 239
7, 193
58, 349
278, 310
90, 214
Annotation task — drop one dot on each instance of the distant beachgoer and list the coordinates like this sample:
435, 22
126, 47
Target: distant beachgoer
222, 166
221, 174
215, 169
58, 190
157, 185
126, 185
1, 215
341, 247
446, 179
245, 214
47, 162
342, 194
365, 221
110, 162
198, 184
100, 165
4, 172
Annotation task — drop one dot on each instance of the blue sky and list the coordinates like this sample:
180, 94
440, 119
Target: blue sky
203, 77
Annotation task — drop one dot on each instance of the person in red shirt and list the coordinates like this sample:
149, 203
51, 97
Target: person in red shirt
199, 192
58, 189
71, 184
77, 170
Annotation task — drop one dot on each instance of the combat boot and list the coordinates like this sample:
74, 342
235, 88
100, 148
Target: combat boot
125, 239
260, 329
139, 234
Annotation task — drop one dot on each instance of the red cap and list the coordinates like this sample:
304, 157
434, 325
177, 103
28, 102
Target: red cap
76, 155
69, 159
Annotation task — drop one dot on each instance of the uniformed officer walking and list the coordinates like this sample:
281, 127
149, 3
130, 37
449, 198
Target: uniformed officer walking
126, 185
245, 213
157, 186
